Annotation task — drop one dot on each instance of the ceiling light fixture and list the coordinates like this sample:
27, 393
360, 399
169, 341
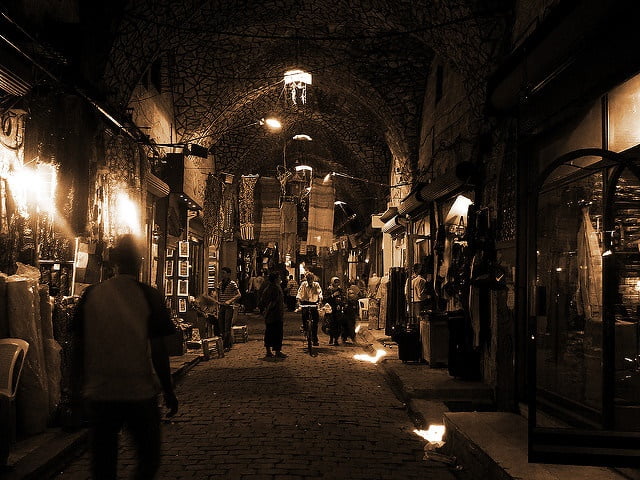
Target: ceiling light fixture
295, 83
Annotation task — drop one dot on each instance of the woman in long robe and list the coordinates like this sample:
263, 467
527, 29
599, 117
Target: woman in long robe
272, 305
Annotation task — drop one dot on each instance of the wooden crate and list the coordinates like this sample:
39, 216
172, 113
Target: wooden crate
212, 347
240, 333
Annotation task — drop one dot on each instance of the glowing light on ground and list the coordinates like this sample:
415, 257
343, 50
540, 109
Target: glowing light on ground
433, 434
372, 359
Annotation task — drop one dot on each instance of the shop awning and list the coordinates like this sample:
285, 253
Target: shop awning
389, 214
464, 175
395, 226
156, 186
15, 74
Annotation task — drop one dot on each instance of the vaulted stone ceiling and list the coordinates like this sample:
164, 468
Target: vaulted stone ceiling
223, 64
369, 60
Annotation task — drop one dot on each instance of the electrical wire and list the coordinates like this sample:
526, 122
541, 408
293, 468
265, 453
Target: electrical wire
329, 38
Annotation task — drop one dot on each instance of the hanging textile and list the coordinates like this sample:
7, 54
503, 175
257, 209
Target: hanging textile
383, 296
589, 269
246, 206
212, 211
267, 221
228, 206
289, 217
321, 209
289, 228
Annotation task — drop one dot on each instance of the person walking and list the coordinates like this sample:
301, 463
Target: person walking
120, 363
336, 299
228, 293
292, 290
350, 312
310, 293
271, 303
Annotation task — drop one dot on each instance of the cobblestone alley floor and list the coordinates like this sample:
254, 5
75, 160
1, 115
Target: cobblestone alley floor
303, 417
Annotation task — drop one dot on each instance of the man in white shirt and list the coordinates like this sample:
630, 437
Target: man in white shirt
310, 293
418, 292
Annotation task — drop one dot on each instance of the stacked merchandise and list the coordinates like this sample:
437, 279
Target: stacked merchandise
27, 314
212, 347
240, 333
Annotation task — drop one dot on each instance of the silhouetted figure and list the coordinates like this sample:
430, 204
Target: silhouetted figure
120, 324
271, 305
336, 299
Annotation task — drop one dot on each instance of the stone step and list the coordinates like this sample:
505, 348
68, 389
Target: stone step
493, 445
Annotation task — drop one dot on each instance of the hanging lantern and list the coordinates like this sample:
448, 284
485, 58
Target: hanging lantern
295, 84
300, 183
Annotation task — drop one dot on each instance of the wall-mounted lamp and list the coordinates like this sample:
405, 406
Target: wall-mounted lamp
271, 122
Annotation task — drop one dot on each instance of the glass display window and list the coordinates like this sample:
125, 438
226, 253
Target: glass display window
584, 306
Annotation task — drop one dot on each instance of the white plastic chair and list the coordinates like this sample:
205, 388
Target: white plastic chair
12, 354
363, 309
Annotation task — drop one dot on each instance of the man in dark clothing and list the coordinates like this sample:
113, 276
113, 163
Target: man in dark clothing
118, 325
272, 305
336, 299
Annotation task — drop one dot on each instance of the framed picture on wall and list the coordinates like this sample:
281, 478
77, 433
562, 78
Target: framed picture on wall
170, 252
183, 249
168, 271
168, 287
183, 268
169, 302
183, 287
182, 305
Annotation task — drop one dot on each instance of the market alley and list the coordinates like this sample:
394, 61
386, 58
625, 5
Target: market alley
246, 417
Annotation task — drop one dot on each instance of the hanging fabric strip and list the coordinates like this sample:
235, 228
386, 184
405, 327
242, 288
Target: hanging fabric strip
321, 209
267, 221
212, 211
288, 229
247, 205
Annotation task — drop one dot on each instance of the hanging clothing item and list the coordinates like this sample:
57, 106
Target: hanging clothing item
321, 208
246, 205
397, 304
374, 284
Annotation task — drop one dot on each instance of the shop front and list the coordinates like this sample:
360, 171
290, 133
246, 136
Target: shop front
583, 277
443, 245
